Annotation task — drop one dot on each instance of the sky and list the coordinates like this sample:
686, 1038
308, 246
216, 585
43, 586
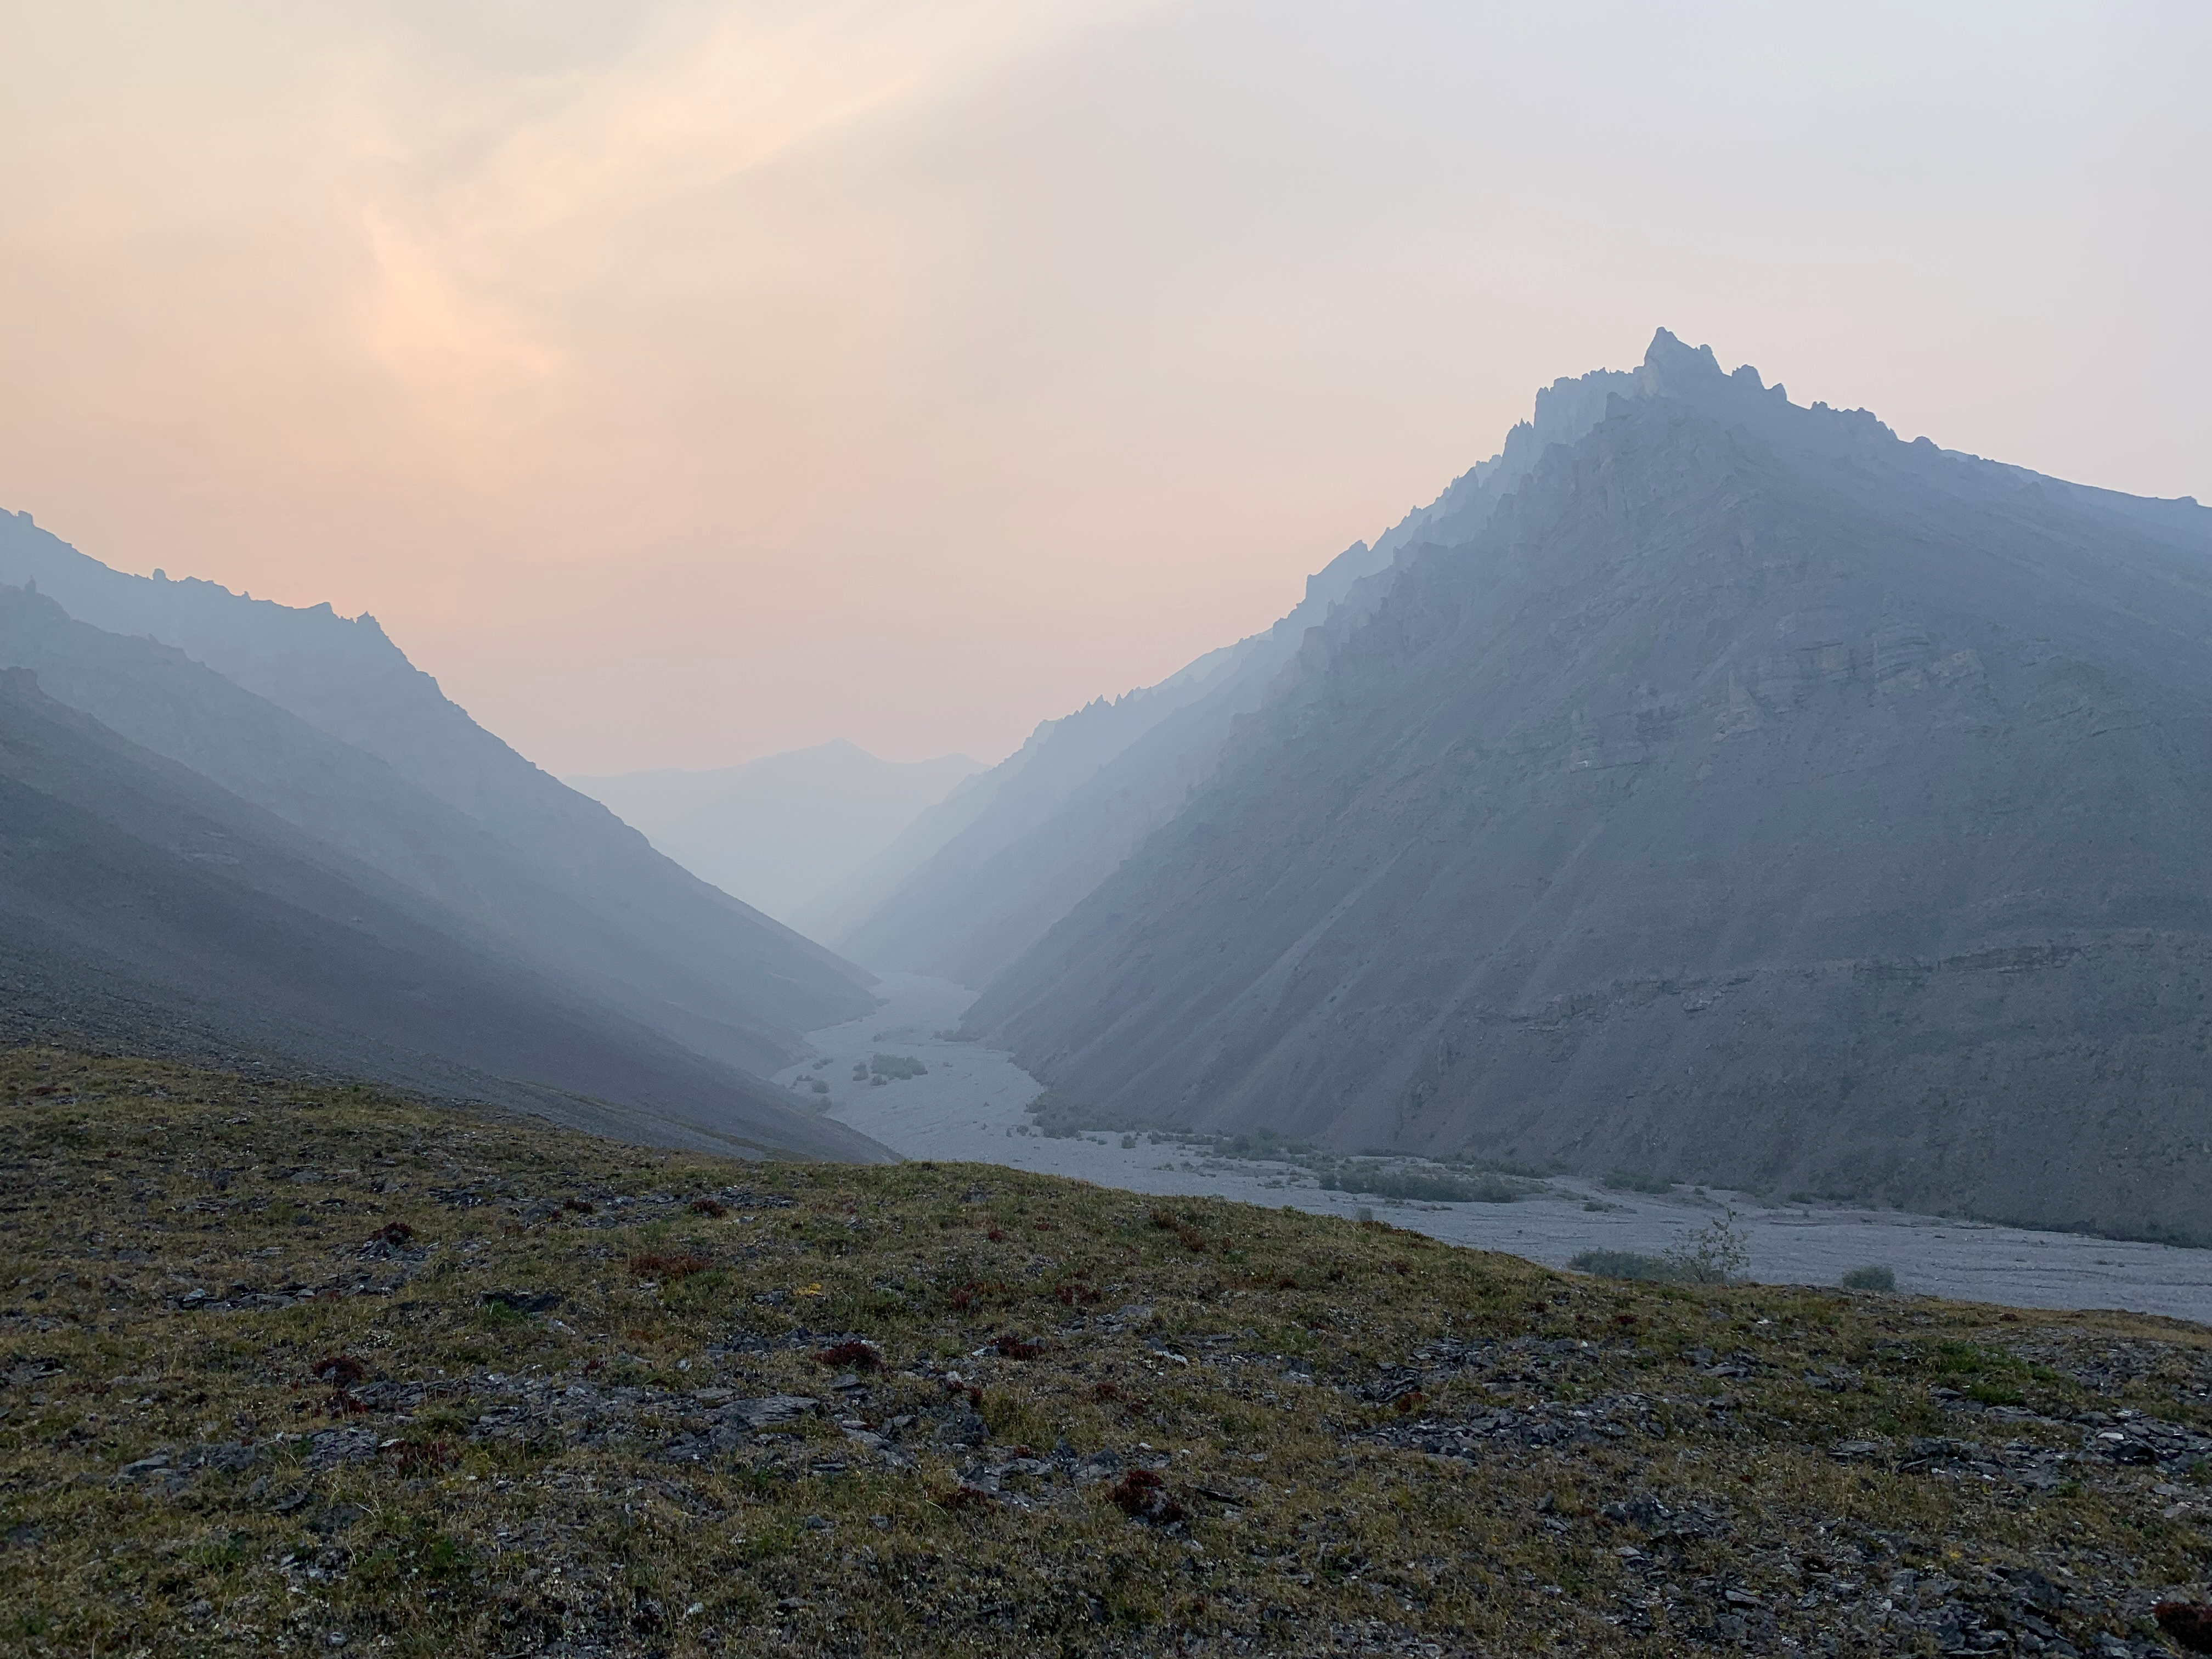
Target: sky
681, 381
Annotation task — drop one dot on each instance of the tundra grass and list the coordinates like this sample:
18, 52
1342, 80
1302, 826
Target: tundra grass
289, 1369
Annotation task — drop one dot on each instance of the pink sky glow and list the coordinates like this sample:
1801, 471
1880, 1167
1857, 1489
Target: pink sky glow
688, 380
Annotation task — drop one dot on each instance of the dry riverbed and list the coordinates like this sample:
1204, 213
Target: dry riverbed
969, 1105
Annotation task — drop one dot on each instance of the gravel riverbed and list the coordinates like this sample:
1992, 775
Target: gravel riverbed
969, 1106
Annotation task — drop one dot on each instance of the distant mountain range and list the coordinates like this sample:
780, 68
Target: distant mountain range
1708, 785
313, 738
789, 833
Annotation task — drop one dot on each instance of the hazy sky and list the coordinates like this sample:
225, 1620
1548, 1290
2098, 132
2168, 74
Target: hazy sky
682, 381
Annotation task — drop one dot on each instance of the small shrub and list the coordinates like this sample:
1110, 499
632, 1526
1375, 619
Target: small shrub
1635, 1180
964, 1498
1016, 1348
1712, 1255
398, 1234
1870, 1278
854, 1355
580, 1206
897, 1067
708, 1207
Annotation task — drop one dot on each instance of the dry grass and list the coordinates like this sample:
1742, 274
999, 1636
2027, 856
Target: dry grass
430, 1383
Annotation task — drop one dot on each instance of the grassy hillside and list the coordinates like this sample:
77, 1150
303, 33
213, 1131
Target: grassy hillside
288, 1369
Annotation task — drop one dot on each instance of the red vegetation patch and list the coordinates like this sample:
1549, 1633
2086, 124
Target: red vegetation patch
997, 1235
973, 1292
966, 1498
1168, 1222
1076, 1294
1016, 1348
1142, 1495
2189, 1623
580, 1206
340, 1371
708, 1207
857, 1355
653, 1264
397, 1233
1110, 1393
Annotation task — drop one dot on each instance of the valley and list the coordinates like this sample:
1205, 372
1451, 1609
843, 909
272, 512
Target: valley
968, 1106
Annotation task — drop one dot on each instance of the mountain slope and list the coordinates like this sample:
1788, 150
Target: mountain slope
1754, 797
730, 982
137, 898
1035, 836
156, 696
785, 832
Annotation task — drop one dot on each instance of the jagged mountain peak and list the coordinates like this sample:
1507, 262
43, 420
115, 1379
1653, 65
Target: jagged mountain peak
1727, 788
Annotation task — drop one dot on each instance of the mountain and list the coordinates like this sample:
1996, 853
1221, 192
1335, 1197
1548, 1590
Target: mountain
977, 882
706, 970
785, 833
144, 907
342, 796
1745, 795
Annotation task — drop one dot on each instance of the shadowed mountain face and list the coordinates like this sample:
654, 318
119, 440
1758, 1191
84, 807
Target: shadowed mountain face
785, 833
415, 788
542, 918
1745, 795
146, 908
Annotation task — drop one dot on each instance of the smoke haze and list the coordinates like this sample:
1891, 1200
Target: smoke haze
690, 382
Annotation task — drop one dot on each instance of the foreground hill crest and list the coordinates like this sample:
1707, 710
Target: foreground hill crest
331, 1369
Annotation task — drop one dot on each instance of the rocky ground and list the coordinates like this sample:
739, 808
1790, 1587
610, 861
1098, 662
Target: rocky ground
287, 1369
